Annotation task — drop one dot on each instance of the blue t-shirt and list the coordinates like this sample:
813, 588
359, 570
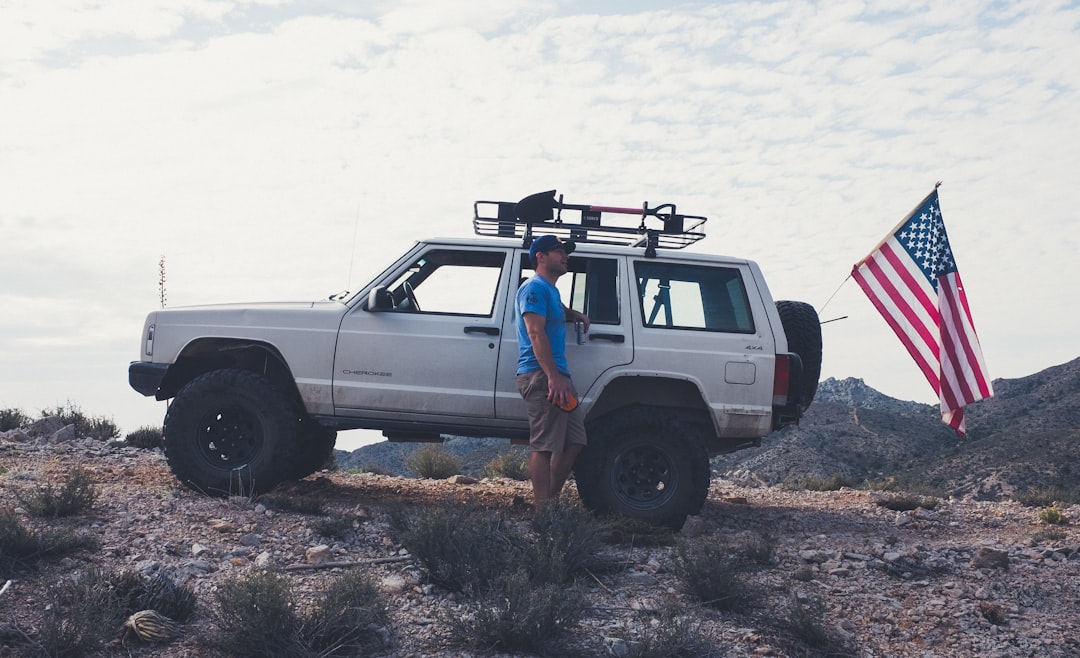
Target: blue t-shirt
538, 296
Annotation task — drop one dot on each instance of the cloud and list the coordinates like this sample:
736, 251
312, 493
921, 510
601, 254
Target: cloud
248, 141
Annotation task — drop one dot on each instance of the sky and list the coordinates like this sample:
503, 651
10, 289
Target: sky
274, 150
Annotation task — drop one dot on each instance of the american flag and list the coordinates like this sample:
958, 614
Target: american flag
912, 280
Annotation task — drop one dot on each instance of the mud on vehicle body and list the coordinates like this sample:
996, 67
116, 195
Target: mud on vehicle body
688, 356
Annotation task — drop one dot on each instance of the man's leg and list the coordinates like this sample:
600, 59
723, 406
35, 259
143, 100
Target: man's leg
540, 473
561, 465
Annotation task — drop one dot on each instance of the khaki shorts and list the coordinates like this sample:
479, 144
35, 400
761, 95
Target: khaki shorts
550, 428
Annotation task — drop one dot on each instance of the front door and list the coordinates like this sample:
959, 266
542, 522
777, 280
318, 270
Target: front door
435, 350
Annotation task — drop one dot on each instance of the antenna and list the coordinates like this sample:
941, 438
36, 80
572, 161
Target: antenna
352, 251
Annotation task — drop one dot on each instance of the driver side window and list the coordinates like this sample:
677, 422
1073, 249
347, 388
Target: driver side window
449, 281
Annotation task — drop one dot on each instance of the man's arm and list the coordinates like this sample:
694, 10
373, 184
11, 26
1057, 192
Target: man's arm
576, 316
558, 383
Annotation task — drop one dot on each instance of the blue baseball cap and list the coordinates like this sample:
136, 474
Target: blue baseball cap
549, 242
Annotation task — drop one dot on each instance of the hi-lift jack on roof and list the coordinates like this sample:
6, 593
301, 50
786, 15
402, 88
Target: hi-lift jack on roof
542, 213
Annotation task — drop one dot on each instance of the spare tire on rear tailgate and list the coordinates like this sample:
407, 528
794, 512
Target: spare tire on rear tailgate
803, 330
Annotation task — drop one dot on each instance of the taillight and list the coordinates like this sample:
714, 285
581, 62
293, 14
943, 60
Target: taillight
781, 380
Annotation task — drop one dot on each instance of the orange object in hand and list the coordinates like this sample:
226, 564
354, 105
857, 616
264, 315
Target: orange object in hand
570, 404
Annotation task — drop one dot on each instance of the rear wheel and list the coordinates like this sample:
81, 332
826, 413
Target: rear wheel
803, 330
230, 432
644, 464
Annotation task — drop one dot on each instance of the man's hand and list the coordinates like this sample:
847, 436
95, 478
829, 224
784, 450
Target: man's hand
578, 316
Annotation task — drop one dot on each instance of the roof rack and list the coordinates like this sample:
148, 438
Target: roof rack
542, 213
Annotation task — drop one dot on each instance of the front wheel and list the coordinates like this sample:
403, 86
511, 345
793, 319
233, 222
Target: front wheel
644, 464
229, 432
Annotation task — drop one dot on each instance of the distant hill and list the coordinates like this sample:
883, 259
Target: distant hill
1026, 437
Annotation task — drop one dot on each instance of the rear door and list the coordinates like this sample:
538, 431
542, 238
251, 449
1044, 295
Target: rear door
595, 284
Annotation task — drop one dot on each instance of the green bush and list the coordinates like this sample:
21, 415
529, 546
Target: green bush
516, 615
833, 483
676, 633
145, 437
1045, 497
75, 495
628, 531
13, 419
335, 526
713, 573
85, 612
20, 547
92, 427
433, 462
908, 503
461, 546
513, 465
1052, 516
565, 546
342, 621
257, 616
295, 504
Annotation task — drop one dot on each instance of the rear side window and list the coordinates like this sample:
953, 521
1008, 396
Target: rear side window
591, 285
693, 297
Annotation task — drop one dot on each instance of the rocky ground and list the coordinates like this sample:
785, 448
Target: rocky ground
967, 578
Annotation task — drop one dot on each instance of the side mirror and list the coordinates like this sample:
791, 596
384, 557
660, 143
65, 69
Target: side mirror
380, 299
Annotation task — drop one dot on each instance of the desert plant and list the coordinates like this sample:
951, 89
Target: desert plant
565, 546
992, 612
145, 437
296, 504
433, 462
516, 615
335, 526
808, 629
712, 573
832, 483
513, 465
342, 621
908, 503
92, 427
761, 549
20, 547
1045, 497
256, 617
677, 634
13, 419
626, 530
75, 495
82, 613
1048, 535
369, 467
1052, 516
461, 546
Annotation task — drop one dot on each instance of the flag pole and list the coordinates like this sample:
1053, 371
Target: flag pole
895, 228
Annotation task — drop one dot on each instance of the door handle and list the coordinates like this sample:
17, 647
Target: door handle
488, 331
615, 338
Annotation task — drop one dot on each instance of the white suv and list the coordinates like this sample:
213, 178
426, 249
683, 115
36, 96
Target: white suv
688, 356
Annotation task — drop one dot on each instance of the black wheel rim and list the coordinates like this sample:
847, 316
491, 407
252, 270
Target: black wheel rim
644, 478
229, 437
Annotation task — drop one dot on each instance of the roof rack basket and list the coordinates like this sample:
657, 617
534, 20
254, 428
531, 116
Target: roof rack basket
542, 213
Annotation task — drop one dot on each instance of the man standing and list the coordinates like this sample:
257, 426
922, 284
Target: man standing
556, 424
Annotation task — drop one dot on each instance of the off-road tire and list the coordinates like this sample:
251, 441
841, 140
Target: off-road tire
803, 330
645, 464
231, 432
314, 451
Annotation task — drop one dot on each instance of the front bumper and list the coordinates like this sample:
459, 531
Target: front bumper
146, 377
